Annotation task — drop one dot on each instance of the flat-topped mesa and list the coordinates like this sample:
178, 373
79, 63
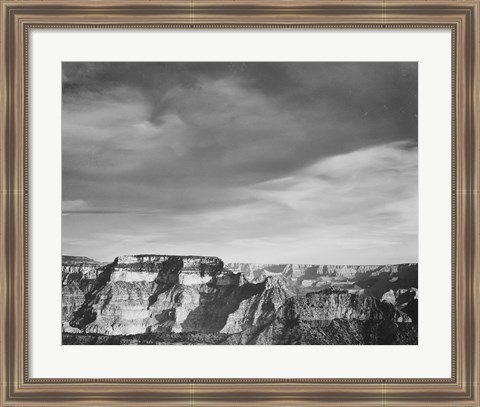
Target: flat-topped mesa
188, 270
147, 260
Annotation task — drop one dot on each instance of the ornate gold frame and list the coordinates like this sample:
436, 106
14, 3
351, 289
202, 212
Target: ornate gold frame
18, 17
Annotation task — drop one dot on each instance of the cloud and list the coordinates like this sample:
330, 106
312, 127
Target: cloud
247, 160
347, 203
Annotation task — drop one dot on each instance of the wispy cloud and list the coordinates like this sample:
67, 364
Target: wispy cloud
311, 162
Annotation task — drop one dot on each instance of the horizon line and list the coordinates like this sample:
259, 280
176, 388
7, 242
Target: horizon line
248, 262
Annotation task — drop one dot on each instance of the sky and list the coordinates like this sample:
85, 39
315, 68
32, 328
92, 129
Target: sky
260, 162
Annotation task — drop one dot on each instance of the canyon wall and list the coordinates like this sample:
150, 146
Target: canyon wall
237, 302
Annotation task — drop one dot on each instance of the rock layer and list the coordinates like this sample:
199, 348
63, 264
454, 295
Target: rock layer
189, 297
332, 317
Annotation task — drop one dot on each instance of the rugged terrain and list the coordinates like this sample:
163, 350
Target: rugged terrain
162, 299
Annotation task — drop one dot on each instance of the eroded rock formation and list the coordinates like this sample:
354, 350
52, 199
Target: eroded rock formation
195, 299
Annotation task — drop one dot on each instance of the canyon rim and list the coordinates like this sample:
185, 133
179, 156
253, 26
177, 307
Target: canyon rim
158, 299
295, 184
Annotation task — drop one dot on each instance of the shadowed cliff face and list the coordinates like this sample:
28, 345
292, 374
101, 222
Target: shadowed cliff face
78, 277
183, 299
332, 317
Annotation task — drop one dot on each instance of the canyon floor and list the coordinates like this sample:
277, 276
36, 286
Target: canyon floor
164, 300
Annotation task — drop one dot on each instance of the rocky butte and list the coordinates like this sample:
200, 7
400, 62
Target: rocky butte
163, 299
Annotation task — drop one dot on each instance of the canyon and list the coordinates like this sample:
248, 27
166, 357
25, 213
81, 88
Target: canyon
165, 299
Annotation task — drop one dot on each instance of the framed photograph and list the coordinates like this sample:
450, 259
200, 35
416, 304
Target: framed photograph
213, 183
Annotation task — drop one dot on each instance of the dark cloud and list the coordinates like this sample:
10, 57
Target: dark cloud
198, 139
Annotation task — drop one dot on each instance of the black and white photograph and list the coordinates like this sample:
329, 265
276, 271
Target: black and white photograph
239, 203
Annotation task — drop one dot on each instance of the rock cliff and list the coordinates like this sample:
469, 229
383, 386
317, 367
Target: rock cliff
78, 276
295, 274
332, 317
197, 299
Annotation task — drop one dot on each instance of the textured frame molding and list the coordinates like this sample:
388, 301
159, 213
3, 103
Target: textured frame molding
17, 17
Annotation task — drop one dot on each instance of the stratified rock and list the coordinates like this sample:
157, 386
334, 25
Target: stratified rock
260, 308
147, 293
197, 299
332, 317
78, 275
75, 268
373, 279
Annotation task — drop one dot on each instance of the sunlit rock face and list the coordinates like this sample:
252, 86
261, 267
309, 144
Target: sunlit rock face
164, 296
260, 308
389, 297
147, 293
